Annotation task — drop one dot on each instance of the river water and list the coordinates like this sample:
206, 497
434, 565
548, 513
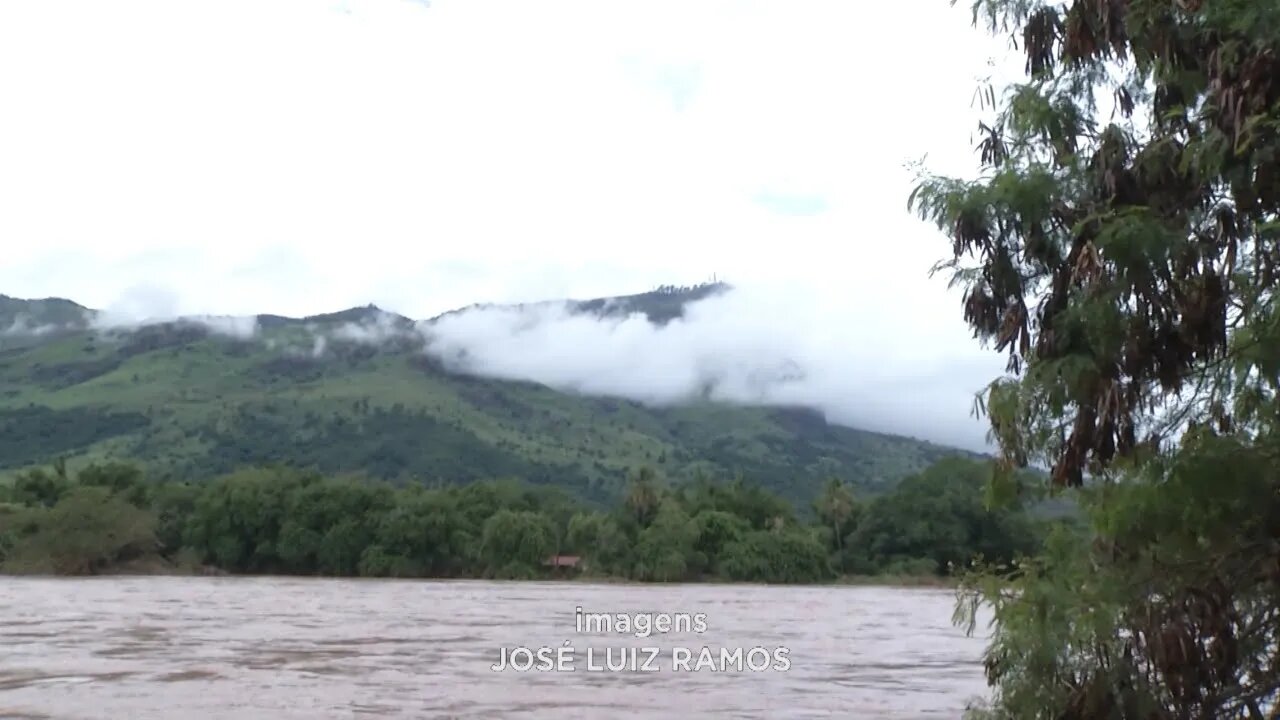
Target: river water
274, 648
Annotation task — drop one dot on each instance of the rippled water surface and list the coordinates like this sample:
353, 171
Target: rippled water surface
194, 648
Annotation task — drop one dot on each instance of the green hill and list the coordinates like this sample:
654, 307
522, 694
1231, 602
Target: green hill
352, 392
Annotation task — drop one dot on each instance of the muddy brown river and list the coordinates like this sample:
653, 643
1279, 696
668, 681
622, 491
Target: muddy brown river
273, 648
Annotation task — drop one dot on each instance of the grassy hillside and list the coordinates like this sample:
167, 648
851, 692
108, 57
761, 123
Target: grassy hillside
191, 403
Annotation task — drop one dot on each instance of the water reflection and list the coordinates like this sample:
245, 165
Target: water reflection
301, 648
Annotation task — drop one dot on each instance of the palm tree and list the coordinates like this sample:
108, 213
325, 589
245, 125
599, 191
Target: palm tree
643, 496
836, 506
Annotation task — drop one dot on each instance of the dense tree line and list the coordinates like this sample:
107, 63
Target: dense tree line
287, 521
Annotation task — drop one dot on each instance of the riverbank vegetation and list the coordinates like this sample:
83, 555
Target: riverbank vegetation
1121, 245
285, 521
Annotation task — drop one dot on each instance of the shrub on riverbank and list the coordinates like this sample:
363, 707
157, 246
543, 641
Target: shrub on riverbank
87, 530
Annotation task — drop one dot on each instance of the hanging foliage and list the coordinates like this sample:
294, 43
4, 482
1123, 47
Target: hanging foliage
1121, 246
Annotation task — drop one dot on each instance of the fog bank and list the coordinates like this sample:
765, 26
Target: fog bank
757, 345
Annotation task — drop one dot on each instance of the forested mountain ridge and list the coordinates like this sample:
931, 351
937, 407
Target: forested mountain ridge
353, 392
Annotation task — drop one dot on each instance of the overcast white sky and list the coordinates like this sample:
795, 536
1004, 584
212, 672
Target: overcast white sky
302, 156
